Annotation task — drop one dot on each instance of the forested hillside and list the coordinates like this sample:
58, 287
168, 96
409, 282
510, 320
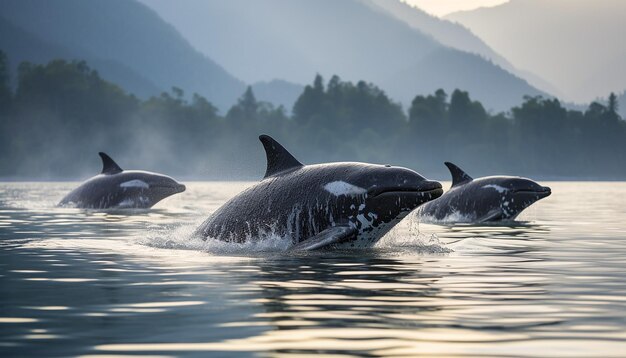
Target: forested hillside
125, 40
62, 113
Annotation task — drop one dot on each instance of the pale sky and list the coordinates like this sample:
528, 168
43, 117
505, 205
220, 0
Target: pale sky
445, 7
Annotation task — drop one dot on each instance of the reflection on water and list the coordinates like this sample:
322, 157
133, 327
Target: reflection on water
94, 283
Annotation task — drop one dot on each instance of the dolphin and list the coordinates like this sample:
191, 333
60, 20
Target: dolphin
332, 205
117, 188
487, 199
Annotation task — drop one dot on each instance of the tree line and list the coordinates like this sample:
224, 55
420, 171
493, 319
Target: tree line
55, 117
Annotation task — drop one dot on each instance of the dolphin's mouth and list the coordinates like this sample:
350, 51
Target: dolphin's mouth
433, 189
541, 193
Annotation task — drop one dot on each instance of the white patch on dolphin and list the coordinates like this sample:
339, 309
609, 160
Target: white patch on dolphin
365, 222
136, 183
338, 188
498, 188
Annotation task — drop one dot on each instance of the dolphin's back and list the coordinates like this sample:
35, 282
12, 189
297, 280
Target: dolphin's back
94, 193
287, 207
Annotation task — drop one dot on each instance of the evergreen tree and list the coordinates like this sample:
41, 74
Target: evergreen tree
243, 115
428, 115
613, 105
612, 114
5, 85
310, 102
465, 115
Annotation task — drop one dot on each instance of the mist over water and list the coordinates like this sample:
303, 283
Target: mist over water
79, 282
407, 89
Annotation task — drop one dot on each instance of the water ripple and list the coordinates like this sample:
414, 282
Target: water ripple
92, 283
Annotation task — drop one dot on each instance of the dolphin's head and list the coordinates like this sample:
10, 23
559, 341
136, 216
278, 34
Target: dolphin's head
393, 191
375, 197
511, 194
144, 189
396, 188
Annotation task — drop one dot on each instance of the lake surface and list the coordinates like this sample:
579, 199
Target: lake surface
76, 282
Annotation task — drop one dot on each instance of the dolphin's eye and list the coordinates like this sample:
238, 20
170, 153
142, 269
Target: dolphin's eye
387, 165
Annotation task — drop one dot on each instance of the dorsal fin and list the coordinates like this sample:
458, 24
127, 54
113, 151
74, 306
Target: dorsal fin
108, 165
278, 158
458, 175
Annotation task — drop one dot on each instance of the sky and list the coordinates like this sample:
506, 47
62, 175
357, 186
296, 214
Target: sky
445, 7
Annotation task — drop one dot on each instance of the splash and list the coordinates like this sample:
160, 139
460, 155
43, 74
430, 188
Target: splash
409, 239
403, 239
405, 236
452, 218
183, 238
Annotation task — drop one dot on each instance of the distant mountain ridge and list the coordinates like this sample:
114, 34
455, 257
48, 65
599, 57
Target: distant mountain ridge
21, 46
447, 33
125, 40
573, 44
456, 36
355, 39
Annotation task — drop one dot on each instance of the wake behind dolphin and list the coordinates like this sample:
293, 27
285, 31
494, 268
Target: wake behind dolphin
486, 199
338, 205
117, 188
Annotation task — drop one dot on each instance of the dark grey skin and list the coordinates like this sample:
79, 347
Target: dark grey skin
334, 205
121, 189
487, 199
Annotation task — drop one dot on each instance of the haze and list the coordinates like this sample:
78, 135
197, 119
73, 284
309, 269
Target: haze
186, 87
564, 48
445, 7
575, 45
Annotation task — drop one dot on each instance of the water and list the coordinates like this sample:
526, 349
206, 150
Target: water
76, 282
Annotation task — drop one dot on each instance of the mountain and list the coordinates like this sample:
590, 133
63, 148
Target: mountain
123, 39
294, 39
573, 44
455, 35
355, 39
23, 46
447, 33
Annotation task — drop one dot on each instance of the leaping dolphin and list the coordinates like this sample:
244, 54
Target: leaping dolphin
487, 199
117, 188
332, 205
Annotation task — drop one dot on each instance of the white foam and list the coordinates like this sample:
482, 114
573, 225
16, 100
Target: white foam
498, 188
182, 238
338, 188
136, 183
453, 217
407, 238
132, 203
